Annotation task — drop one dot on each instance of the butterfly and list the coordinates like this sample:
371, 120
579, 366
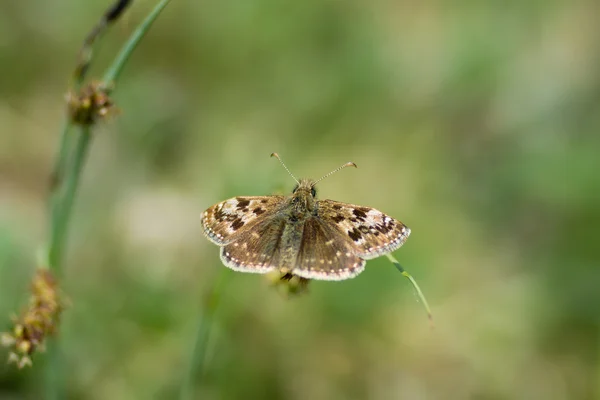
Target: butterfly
299, 234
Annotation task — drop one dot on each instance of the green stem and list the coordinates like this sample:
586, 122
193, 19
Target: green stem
415, 285
57, 184
67, 172
56, 179
61, 202
115, 69
61, 214
206, 321
60, 217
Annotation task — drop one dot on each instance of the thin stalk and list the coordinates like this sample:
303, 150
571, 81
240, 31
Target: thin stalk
415, 285
60, 222
65, 182
197, 363
113, 72
62, 214
61, 203
60, 163
57, 178
85, 54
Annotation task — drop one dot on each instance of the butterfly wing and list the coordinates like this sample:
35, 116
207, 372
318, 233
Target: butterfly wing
225, 221
258, 250
325, 254
248, 229
369, 232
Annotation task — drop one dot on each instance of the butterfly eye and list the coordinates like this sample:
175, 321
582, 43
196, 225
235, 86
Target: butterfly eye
295, 188
313, 191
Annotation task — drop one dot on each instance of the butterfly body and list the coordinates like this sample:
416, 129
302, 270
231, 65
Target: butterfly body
300, 235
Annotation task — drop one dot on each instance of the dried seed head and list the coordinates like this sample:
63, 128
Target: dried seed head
39, 321
90, 104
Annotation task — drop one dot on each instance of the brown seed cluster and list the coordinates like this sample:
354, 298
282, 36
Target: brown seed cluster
90, 104
39, 320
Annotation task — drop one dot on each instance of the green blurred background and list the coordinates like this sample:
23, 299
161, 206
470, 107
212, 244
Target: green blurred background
476, 123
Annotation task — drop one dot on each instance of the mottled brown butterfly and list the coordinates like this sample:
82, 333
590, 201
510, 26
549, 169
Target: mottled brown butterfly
300, 235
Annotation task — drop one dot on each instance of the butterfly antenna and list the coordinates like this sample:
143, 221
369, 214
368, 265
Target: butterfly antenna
348, 164
286, 168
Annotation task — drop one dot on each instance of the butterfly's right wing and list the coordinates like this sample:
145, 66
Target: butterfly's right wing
325, 253
225, 221
370, 232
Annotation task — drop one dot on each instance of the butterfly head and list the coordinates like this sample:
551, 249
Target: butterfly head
304, 195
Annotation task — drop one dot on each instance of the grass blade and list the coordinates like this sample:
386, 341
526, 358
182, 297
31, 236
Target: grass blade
415, 285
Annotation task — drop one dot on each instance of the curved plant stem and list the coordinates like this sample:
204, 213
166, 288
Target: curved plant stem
65, 182
197, 363
64, 190
85, 54
415, 285
113, 72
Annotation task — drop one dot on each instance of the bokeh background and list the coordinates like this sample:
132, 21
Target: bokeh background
475, 123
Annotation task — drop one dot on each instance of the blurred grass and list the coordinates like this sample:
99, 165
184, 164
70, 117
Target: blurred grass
476, 125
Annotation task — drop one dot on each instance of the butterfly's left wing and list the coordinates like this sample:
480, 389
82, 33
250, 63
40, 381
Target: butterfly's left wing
249, 230
224, 222
257, 249
370, 232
